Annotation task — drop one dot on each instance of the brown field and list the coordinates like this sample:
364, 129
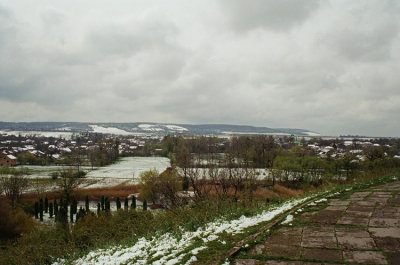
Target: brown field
94, 194
261, 193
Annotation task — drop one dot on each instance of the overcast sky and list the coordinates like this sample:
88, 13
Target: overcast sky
327, 66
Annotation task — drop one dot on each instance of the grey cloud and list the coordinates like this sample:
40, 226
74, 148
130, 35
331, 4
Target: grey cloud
52, 17
129, 37
271, 14
334, 70
365, 32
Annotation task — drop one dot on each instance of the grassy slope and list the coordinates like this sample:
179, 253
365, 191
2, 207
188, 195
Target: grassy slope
126, 227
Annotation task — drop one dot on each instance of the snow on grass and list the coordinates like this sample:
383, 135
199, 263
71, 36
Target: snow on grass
64, 135
35, 171
321, 200
150, 128
288, 219
175, 128
109, 130
227, 262
170, 249
317, 201
127, 169
312, 133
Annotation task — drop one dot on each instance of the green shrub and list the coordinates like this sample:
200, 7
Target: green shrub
13, 222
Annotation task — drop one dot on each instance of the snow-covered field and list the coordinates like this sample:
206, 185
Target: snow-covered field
175, 128
109, 130
169, 249
64, 135
125, 171
44, 171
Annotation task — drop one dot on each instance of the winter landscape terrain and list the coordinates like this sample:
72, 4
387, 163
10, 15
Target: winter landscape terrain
66, 129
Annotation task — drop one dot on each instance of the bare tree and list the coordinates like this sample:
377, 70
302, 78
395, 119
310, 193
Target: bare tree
161, 188
13, 185
68, 180
183, 156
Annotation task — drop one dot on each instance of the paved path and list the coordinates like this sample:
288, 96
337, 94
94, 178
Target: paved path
363, 228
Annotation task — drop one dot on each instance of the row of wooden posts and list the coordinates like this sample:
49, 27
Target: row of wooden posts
60, 210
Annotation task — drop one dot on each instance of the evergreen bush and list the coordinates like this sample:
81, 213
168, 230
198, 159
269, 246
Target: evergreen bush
102, 203
87, 204
36, 210
41, 209
126, 203
74, 205
107, 204
51, 210
133, 204
46, 205
144, 205
71, 214
55, 208
118, 202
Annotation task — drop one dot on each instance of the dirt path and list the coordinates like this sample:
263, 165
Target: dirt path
360, 227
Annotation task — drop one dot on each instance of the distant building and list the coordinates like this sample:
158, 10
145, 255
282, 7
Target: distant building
7, 160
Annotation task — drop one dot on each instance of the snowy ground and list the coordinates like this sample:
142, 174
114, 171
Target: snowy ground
170, 249
44, 171
64, 135
109, 130
126, 171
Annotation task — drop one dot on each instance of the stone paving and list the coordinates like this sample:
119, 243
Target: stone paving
363, 228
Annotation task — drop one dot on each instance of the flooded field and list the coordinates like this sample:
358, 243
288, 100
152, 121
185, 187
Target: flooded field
126, 171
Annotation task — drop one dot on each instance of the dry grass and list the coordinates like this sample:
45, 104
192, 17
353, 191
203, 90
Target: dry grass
93, 193
286, 193
110, 192
263, 194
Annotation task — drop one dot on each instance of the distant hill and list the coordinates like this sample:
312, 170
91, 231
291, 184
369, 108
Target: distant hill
150, 128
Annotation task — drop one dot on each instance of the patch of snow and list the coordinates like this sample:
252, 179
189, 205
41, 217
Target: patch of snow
192, 259
256, 133
227, 262
299, 211
63, 135
150, 127
109, 130
127, 170
321, 200
65, 129
288, 219
312, 134
197, 250
175, 128
145, 126
11, 157
167, 249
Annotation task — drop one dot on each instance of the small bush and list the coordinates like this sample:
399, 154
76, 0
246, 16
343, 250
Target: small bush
13, 222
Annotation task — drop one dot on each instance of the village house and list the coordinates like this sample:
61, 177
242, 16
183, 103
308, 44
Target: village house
7, 160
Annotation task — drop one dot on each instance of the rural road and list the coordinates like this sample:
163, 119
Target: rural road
362, 227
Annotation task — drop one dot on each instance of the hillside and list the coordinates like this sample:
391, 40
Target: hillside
150, 128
